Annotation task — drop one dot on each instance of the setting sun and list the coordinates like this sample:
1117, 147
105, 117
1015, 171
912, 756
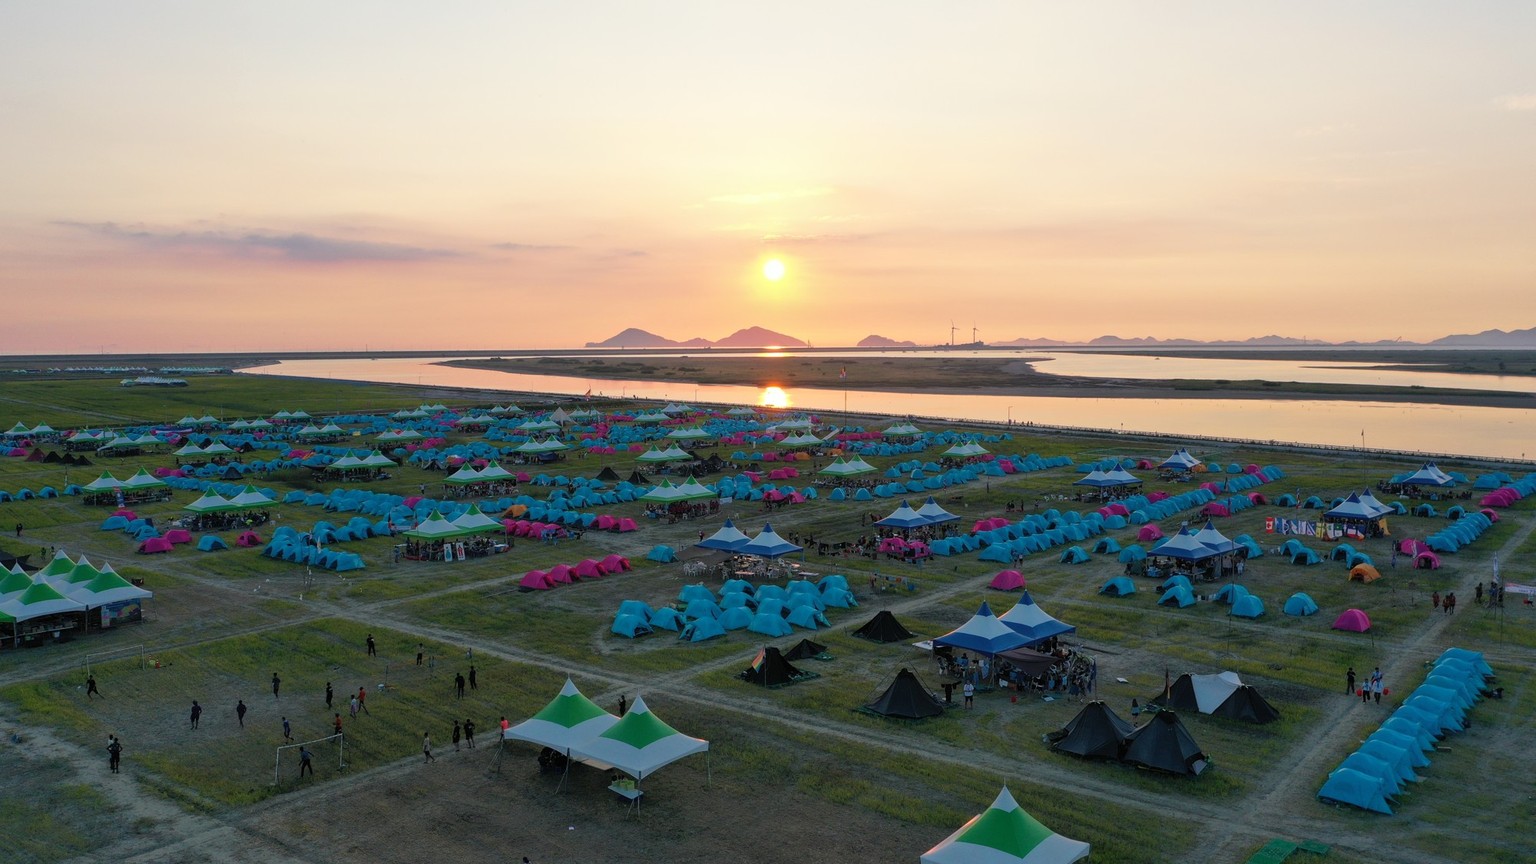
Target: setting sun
773, 270
774, 397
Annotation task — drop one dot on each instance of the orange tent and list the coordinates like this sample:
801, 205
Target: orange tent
1364, 573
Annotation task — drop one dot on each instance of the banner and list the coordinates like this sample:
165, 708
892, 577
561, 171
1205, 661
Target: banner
1299, 527
1527, 590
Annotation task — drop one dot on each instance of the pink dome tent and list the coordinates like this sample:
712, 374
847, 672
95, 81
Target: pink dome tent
1007, 580
1426, 560
1149, 531
536, 580
1352, 620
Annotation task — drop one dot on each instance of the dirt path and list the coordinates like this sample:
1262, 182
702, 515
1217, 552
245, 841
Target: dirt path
1296, 775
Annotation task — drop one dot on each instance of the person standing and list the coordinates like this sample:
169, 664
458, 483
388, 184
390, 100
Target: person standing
287, 730
426, 748
457, 731
336, 724
277, 683
327, 695
304, 762
458, 684
362, 701
197, 713
352, 707
473, 684
1365, 690
1376, 688
469, 733
504, 726
240, 712
1349, 681
90, 687
114, 753
421, 651
969, 691
623, 704
1434, 599
373, 648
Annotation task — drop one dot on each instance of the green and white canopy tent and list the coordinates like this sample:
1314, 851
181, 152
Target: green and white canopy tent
217, 448
250, 498
346, 463
379, 460
666, 493
689, 433
464, 476
38, 601
435, 527
13, 582
673, 453
569, 719
59, 566
842, 468
965, 451
532, 426
105, 483
142, 479
210, 502
901, 430
1005, 834
188, 449
494, 471
640, 744
472, 521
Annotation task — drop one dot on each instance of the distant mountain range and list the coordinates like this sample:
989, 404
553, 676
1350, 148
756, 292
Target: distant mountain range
751, 337
759, 337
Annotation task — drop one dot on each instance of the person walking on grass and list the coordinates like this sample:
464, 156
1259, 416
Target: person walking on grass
458, 684
469, 733
373, 648
287, 730
336, 724
197, 713
1434, 600
426, 748
1349, 681
327, 695
277, 683
457, 731
362, 701
240, 712
90, 687
1376, 688
304, 762
114, 753
352, 707
473, 684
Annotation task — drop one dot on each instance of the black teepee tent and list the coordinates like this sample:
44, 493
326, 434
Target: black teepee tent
1165, 745
1247, 705
608, 475
883, 628
1095, 733
770, 669
805, 649
906, 699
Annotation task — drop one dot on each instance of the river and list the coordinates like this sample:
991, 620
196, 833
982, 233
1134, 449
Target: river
1503, 433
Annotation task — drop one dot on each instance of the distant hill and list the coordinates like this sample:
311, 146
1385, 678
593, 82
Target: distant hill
1492, 339
751, 337
874, 341
758, 337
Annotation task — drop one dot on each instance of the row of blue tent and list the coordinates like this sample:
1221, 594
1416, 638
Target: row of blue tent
1378, 770
1454, 537
388, 508
1038, 532
768, 610
25, 494
287, 545
1347, 553
139, 529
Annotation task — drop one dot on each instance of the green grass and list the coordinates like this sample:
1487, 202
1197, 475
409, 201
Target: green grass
220, 765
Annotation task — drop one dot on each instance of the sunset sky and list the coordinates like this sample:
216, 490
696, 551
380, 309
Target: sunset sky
341, 175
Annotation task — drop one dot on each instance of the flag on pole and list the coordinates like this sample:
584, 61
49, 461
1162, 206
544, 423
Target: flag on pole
588, 394
843, 373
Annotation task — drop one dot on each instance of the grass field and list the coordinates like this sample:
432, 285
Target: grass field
221, 623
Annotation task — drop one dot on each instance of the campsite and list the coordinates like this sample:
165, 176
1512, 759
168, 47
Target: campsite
850, 739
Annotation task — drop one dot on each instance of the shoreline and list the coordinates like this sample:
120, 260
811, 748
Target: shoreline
1031, 428
975, 377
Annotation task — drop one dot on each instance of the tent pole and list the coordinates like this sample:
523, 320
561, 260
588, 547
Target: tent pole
709, 774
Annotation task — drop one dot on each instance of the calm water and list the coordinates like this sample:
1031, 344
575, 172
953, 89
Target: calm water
1193, 368
1494, 432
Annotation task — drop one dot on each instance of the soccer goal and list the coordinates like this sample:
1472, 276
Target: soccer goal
115, 654
294, 762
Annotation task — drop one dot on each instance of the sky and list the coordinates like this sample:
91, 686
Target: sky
482, 175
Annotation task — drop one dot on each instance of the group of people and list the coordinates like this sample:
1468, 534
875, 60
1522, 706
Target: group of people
1447, 603
358, 703
1369, 689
